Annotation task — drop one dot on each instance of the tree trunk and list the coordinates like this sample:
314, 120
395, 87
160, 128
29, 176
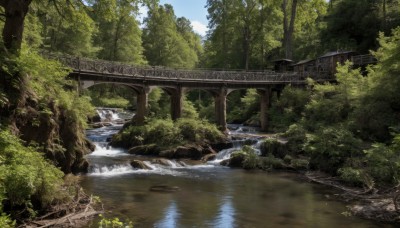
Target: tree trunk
15, 11
288, 28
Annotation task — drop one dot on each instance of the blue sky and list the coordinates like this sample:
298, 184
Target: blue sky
194, 10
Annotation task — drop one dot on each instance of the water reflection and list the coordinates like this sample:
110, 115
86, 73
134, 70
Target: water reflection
171, 217
226, 214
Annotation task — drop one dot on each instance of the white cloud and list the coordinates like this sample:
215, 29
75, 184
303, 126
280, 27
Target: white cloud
199, 28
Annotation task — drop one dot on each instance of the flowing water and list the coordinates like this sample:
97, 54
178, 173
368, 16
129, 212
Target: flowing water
207, 195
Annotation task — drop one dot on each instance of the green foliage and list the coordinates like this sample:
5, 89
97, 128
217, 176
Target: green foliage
288, 109
329, 148
6, 222
119, 35
28, 181
355, 24
251, 159
167, 134
352, 176
242, 105
113, 223
296, 136
47, 79
384, 162
271, 162
164, 44
300, 164
198, 131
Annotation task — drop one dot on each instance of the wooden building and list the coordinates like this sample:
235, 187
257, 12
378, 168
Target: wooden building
305, 68
283, 65
326, 64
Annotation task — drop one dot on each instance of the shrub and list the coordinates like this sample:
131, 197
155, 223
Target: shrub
330, 147
271, 162
29, 182
383, 163
351, 176
300, 164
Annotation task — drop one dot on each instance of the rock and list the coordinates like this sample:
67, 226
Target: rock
236, 160
149, 149
97, 125
193, 152
208, 157
161, 161
167, 153
164, 188
95, 119
222, 145
224, 162
273, 146
137, 164
107, 124
208, 150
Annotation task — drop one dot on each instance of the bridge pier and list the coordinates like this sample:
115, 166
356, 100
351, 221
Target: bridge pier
176, 102
220, 108
142, 105
265, 99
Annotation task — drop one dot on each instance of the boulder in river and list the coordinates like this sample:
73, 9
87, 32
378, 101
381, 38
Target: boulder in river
222, 145
137, 164
161, 161
164, 188
192, 151
208, 157
149, 149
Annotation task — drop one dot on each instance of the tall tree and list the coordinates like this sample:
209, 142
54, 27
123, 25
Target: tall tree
119, 36
288, 26
164, 44
15, 12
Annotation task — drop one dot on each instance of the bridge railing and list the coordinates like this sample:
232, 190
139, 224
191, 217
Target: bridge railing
361, 60
118, 69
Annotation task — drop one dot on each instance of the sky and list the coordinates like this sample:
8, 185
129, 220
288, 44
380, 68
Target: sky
194, 10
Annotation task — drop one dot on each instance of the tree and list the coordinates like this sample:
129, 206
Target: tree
119, 36
164, 44
288, 26
15, 12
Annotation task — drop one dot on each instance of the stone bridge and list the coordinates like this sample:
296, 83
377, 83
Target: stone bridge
175, 82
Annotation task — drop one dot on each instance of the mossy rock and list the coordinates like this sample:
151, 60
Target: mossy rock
236, 160
273, 146
137, 164
149, 149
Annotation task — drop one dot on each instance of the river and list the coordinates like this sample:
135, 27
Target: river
208, 195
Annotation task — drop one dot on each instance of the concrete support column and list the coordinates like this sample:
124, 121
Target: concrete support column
176, 103
220, 109
142, 105
265, 97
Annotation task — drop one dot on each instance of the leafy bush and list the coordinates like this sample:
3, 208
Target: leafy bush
271, 162
28, 181
384, 162
351, 176
296, 137
329, 148
166, 133
113, 223
288, 109
300, 164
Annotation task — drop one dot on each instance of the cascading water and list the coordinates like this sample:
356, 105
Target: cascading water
222, 195
108, 161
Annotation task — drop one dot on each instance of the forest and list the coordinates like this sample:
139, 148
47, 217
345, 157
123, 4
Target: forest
349, 129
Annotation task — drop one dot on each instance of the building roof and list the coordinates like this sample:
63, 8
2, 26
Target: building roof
283, 60
333, 53
303, 62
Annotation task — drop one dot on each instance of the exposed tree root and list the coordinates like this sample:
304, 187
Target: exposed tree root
73, 214
380, 205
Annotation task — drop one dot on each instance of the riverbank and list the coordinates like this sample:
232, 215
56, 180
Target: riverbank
113, 177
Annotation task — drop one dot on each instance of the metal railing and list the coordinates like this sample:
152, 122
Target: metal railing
361, 60
117, 69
